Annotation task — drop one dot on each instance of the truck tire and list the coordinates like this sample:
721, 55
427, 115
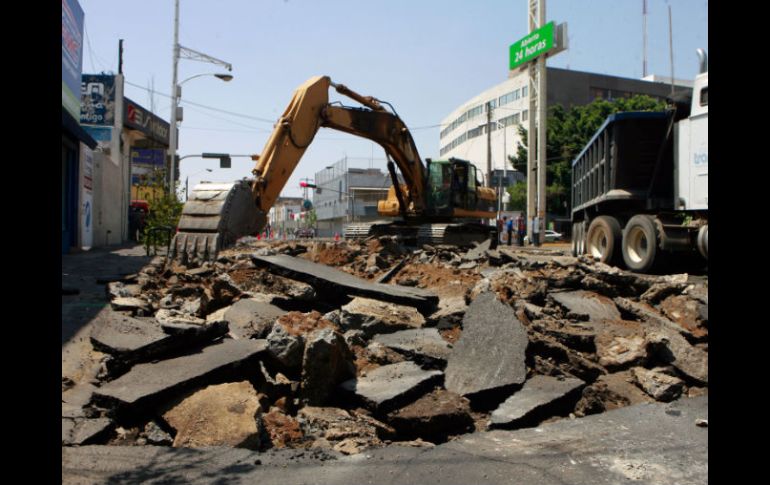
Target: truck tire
604, 239
575, 239
640, 243
582, 240
703, 241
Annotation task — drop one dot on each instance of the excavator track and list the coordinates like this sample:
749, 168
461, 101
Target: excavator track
457, 234
213, 219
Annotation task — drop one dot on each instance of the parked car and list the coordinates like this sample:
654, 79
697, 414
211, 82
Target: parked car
306, 232
551, 236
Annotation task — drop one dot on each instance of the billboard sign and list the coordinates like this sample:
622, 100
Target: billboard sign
97, 99
141, 119
71, 55
536, 43
86, 197
150, 157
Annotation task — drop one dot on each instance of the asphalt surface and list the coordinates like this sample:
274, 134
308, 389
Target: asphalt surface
645, 444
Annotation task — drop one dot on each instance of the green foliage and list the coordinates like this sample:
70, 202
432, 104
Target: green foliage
165, 210
568, 133
518, 193
311, 218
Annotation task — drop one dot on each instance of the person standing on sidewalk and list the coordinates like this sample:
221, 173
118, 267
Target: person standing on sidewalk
509, 229
521, 229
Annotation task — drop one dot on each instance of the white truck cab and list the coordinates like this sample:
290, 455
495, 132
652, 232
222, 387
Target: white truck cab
691, 155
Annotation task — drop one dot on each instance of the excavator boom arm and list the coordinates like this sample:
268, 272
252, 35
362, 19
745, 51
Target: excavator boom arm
218, 215
310, 110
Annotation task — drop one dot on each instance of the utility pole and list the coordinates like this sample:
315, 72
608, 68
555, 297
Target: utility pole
536, 169
489, 144
172, 141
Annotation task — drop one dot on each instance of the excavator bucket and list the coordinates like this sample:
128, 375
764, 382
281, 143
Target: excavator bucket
214, 218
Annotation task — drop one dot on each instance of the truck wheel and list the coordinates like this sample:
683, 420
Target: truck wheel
582, 238
575, 235
604, 239
703, 241
640, 243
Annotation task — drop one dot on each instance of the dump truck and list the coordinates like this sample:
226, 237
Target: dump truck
441, 201
640, 185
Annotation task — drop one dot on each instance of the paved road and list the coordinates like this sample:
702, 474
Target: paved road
81, 272
645, 444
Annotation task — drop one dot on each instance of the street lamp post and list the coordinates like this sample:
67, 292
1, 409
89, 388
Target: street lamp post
187, 182
178, 52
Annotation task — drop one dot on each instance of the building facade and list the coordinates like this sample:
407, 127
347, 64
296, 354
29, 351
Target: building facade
284, 216
464, 130
345, 194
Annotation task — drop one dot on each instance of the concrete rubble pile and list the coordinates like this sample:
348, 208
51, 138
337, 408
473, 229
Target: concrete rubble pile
344, 346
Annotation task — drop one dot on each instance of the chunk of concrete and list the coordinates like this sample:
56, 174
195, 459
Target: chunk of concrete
251, 318
671, 348
375, 317
327, 361
596, 307
390, 386
288, 349
75, 399
79, 431
490, 353
658, 384
689, 313
128, 303
478, 252
528, 405
332, 283
422, 344
152, 382
131, 340
329, 426
610, 391
220, 415
168, 316
434, 416
650, 315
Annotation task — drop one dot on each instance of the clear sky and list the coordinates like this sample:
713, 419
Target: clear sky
425, 57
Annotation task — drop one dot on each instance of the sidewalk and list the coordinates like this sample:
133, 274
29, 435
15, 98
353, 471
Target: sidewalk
85, 274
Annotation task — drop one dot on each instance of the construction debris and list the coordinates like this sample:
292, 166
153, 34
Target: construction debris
303, 345
493, 339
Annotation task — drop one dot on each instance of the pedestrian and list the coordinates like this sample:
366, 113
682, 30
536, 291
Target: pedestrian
521, 229
509, 229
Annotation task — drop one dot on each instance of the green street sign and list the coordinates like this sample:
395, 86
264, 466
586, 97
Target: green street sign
536, 43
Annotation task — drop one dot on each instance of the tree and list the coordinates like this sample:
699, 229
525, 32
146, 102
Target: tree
165, 211
568, 132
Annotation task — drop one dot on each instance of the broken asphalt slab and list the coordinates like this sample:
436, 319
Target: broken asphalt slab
390, 386
490, 353
131, 340
146, 383
527, 404
586, 303
647, 444
423, 344
333, 283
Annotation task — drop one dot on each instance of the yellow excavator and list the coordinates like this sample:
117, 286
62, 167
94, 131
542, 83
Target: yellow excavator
442, 202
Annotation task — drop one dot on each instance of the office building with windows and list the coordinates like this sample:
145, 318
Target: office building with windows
464, 130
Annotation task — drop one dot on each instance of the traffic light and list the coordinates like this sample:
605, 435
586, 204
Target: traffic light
307, 185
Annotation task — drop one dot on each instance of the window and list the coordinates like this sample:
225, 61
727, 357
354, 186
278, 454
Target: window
524, 91
704, 96
598, 93
524, 115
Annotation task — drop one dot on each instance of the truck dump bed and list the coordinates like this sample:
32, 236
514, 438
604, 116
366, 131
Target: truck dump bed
618, 165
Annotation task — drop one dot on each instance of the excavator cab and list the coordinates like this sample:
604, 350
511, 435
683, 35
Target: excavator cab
453, 186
